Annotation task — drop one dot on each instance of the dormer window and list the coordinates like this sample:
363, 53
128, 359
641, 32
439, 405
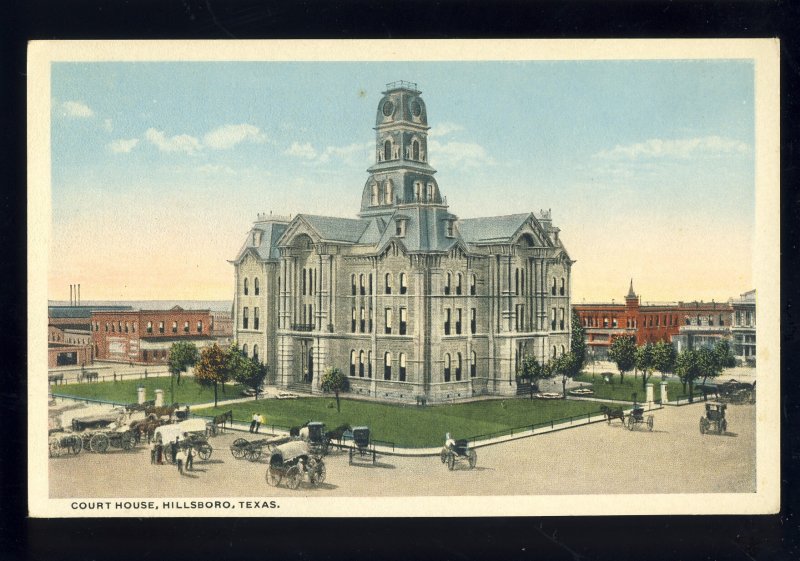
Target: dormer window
387, 194
400, 224
374, 194
451, 228
430, 192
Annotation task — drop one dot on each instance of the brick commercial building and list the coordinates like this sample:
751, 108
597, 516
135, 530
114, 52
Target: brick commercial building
145, 336
69, 336
697, 322
408, 299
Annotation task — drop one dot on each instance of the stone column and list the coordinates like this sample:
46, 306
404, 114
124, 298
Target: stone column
649, 393
159, 398
664, 397
141, 395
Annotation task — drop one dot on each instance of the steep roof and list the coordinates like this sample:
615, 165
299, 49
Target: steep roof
267, 247
333, 228
491, 228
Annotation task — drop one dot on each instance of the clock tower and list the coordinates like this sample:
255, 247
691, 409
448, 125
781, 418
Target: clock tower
401, 174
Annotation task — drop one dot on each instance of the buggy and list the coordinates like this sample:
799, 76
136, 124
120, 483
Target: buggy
637, 417
362, 445
734, 391
291, 462
457, 453
714, 420
318, 440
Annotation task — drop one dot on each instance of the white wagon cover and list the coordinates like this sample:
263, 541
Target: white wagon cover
169, 433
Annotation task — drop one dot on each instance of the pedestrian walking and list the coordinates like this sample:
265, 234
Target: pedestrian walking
259, 421
253, 422
153, 453
159, 453
189, 458
180, 456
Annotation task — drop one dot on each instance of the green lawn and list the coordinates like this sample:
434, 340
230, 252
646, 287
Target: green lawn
124, 391
604, 390
410, 426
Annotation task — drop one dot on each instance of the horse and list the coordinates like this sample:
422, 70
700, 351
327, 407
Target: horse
295, 432
88, 377
337, 433
222, 419
613, 413
163, 411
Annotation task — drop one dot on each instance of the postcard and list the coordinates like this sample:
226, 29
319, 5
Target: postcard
403, 278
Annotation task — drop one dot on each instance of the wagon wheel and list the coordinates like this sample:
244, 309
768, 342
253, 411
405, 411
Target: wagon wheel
316, 471
273, 477
204, 451
253, 453
293, 477
99, 442
168, 454
703, 425
451, 461
473, 458
650, 423
238, 449
54, 446
75, 445
128, 440
350, 458
443, 455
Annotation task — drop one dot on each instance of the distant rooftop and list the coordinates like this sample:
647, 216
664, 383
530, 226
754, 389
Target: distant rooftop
402, 84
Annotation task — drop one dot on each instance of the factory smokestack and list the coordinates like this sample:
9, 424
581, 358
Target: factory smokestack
79, 295
70, 295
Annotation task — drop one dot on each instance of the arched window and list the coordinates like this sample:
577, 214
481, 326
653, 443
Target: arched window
403, 283
361, 364
387, 366
256, 287
554, 351
353, 283
388, 285
387, 150
388, 192
245, 318
374, 194
553, 288
458, 366
369, 364
361, 284
473, 288
415, 150
563, 288
352, 363
473, 367
563, 350
522, 280
255, 353
447, 283
447, 367
245, 286
458, 283
402, 367
516, 281
353, 321
370, 284
244, 349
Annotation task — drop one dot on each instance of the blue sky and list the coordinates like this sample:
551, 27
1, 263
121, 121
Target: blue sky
158, 169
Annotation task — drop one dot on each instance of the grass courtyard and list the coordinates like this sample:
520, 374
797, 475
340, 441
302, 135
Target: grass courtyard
409, 425
623, 391
124, 391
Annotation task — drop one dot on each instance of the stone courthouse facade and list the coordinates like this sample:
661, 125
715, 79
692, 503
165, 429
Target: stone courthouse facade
407, 299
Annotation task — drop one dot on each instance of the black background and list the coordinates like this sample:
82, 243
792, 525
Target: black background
651, 538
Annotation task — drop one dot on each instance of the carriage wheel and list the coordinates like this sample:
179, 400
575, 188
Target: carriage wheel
443, 455
204, 451
293, 477
238, 449
473, 458
350, 457
168, 454
128, 440
451, 461
316, 471
75, 445
325, 446
253, 453
650, 423
54, 447
273, 477
99, 442
703, 426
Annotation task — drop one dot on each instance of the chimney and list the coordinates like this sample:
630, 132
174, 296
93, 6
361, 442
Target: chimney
79, 295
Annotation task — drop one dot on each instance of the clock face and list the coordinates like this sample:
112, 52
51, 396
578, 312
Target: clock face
388, 108
416, 109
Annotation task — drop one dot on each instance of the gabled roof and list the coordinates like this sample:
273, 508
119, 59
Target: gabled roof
491, 228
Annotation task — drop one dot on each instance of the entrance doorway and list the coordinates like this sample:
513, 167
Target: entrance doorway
306, 361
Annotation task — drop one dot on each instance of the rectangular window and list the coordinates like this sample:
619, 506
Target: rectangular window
403, 320
161, 327
361, 285
447, 321
472, 321
353, 321
200, 323
353, 283
403, 283
370, 320
174, 326
388, 320
458, 321
613, 322
363, 322
388, 287
149, 327
186, 327
553, 320
245, 318
255, 321
605, 323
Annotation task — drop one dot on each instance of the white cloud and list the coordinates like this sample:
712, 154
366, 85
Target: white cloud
454, 153
229, 136
304, 150
680, 148
107, 126
178, 143
352, 154
123, 145
76, 109
215, 168
443, 129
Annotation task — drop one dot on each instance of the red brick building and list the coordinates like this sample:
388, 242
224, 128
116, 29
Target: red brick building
648, 323
145, 336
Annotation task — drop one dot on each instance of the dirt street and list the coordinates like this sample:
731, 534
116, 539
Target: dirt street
598, 458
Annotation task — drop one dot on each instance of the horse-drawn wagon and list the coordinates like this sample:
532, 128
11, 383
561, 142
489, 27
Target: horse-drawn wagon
736, 392
101, 432
293, 461
254, 449
637, 417
714, 420
362, 446
458, 451
182, 436
63, 442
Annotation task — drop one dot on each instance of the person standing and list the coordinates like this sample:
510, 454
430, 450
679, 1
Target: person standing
180, 455
253, 422
175, 449
259, 421
159, 452
153, 452
189, 458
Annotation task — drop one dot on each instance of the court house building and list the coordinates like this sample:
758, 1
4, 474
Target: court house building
406, 298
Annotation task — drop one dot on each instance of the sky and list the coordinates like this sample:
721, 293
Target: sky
160, 168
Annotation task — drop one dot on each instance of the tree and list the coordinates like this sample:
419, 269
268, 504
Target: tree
645, 362
247, 371
664, 357
334, 381
182, 355
567, 365
532, 371
577, 343
212, 368
623, 353
687, 367
724, 354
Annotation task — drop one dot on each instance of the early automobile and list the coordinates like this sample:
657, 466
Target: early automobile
293, 461
458, 451
714, 420
362, 447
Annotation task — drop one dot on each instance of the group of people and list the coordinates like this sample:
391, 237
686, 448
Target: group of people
182, 457
256, 422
